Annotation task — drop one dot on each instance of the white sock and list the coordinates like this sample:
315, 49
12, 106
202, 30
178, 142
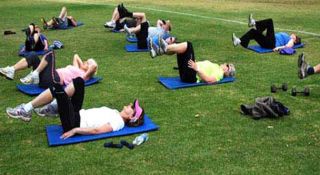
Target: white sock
54, 103
12, 68
28, 107
35, 73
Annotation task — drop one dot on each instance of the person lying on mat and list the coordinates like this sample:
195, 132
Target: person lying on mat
189, 70
270, 40
305, 69
118, 20
75, 120
144, 32
45, 74
61, 22
35, 40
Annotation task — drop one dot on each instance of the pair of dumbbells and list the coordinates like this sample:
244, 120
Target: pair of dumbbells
305, 92
283, 87
294, 91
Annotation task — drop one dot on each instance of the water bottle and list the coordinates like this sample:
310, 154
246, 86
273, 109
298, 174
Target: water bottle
140, 139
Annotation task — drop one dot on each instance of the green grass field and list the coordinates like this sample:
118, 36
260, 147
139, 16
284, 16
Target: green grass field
201, 129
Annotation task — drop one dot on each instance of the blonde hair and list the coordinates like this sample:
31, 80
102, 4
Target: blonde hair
93, 62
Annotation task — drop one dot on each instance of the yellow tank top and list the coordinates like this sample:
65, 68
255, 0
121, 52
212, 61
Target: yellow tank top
210, 69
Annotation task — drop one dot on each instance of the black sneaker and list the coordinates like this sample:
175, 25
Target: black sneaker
9, 32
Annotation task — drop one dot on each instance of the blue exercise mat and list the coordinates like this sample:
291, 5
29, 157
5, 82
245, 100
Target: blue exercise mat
260, 49
131, 39
55, 131
25, 53
33, 89
134, 48
176, 83
79, 23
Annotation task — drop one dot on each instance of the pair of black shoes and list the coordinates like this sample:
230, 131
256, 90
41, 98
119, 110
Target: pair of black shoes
119, 145
123, 12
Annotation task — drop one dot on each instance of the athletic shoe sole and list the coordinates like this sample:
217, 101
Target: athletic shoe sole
5, 75
25, 119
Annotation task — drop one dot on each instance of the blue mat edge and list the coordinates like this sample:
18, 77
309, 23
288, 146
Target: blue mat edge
131, 40
194, 84
99, 136
136, 50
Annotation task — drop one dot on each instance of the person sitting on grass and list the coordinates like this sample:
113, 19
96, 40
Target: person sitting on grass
35, 40
45, 74
61, 22
144, 33
271, 40
191, 71
75, 120
304, 69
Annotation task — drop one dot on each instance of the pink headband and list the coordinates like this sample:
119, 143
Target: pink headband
138, 111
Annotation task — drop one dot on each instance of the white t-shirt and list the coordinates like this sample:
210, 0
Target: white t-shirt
155, 31
96, 117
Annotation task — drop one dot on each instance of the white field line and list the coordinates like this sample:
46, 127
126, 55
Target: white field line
185, 14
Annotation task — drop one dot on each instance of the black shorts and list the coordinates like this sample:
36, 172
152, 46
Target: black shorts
70, 22
142, 36
30, 45
48, 76
186, 74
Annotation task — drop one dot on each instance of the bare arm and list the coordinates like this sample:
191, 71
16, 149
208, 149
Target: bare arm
46, 45
159, 23
77, 62
208, 79
87, 131
290, 44
90, 72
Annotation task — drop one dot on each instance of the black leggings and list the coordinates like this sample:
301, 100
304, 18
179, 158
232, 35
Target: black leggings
266, 41
187, 74
48, 76
32, 46
69, 107
142, 36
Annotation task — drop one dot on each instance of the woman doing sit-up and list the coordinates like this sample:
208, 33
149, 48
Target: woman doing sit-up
75, 120
270, 40
45, 74
189, 70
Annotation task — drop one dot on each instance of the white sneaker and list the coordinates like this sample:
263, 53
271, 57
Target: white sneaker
236, 41
302, 66
49, 110
19, 113
110, 24
162, 45
8, 72
153, 49
31, 78
251, 21
125, 27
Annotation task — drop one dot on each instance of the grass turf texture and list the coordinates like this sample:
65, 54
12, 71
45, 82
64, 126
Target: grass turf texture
201, 129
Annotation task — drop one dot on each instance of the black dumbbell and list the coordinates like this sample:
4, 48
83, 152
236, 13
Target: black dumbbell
305, 92
274, 88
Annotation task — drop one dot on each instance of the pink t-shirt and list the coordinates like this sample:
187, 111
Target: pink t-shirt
68, 73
